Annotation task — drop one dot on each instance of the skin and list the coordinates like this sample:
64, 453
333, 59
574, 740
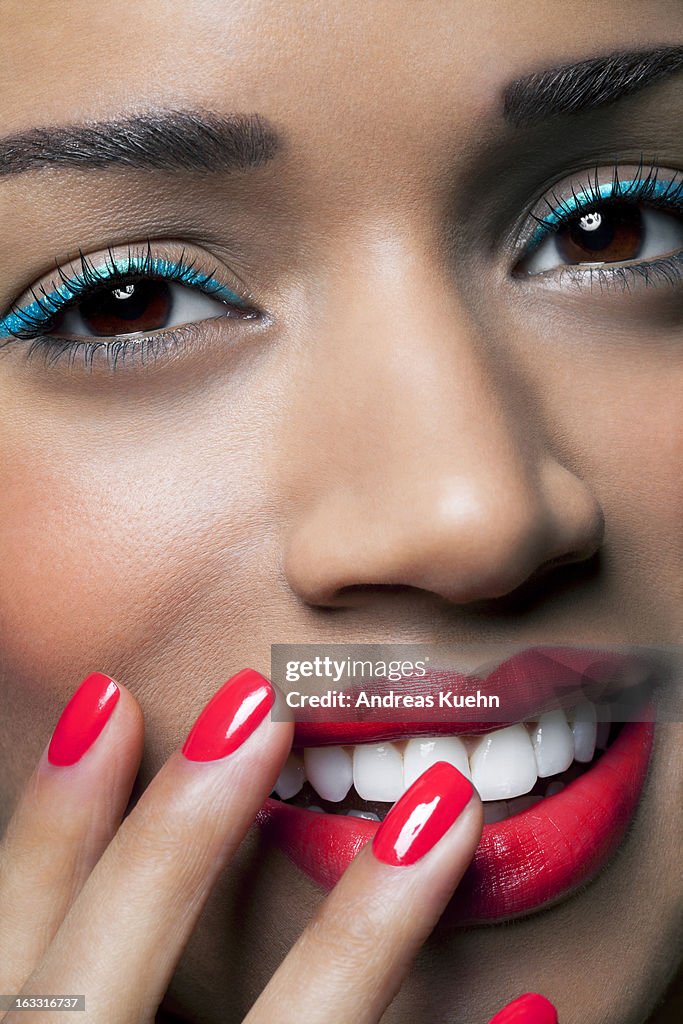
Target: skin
411, 438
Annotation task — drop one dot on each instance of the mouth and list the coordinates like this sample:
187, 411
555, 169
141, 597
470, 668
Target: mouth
559, 790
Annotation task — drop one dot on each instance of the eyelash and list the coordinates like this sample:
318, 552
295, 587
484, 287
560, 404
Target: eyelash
644, 188
32, 322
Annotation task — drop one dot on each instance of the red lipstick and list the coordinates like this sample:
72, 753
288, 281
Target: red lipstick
529, 860
523, 863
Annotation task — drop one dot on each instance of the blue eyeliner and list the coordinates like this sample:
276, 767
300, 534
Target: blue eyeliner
649, 188
26, 321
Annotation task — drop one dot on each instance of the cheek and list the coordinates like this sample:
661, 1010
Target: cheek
632, 453
105, 553
641, 455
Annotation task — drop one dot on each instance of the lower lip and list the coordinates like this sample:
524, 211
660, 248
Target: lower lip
523, 863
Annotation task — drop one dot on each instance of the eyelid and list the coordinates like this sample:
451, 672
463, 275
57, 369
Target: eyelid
52, 297
579, 202
636, 182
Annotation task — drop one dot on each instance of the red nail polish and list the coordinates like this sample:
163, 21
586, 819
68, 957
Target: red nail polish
83, 719
423, 815
528, 1009
230, 717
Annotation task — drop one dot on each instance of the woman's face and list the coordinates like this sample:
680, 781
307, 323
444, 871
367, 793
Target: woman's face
420, 421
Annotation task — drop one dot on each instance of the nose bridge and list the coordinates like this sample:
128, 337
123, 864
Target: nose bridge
409, 385
422, 470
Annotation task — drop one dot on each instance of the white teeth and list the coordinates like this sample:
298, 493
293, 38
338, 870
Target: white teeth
330, 771
585, 732
421, 753
378, 771
291, 778
553, 744
315, 809
503, 764
369, 815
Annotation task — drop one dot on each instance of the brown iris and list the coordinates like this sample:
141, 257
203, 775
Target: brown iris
608, 233
127, 308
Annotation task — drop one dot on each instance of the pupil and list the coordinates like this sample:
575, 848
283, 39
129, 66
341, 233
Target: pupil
130, 308
609, 234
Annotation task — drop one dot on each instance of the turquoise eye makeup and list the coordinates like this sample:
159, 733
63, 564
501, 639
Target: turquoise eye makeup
631, 222
134, 299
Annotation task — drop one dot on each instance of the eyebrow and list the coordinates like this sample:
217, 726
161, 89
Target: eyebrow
166, 140
575, 88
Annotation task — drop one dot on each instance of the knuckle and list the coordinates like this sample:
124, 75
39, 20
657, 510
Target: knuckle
356, 941
162, 846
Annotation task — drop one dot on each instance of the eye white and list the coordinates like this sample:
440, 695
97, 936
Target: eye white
662, 235
188, 305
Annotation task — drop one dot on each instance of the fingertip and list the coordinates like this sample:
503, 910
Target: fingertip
96, 702
530, 1008
424, 814
83, 718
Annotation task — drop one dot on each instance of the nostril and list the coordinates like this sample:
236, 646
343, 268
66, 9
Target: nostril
551, 580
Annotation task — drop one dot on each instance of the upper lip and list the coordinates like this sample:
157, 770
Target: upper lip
528, 683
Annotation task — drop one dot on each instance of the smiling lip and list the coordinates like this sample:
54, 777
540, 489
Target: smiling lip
528, 683
523, 863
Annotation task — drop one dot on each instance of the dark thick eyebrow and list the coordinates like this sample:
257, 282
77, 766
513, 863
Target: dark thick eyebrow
167, 140
575, 88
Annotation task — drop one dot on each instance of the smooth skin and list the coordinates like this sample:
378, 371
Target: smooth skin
410, 439
94, 906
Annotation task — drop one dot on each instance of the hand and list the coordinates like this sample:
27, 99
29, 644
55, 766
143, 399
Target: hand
94, 904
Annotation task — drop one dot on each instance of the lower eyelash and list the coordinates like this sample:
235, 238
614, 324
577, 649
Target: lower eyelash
665, 271
51, 349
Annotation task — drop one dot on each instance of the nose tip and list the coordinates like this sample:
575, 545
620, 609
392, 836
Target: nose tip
463, 539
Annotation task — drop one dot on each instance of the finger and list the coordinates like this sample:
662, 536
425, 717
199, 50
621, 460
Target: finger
67, 814
527, 1009
125, 932
350, 961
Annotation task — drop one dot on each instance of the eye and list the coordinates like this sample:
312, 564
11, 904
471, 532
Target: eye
127, 298
134, 307
615, 232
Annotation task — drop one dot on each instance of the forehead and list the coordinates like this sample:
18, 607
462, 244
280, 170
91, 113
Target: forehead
326, 66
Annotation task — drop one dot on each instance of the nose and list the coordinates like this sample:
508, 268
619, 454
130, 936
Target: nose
424, 464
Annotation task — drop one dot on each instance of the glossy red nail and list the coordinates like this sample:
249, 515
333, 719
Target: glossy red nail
528, 1009
230, 717
83, 719
423, 815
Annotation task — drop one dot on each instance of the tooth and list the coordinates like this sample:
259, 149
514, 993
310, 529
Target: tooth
330, 771
378, 771
421, 753
291, 778
495, 810
554, 788
553, 744
369, 815
315, 809
585, 731
503, 764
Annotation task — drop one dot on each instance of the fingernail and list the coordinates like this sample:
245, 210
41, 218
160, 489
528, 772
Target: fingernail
83, 719
230, 717
528, 1009
423, 815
